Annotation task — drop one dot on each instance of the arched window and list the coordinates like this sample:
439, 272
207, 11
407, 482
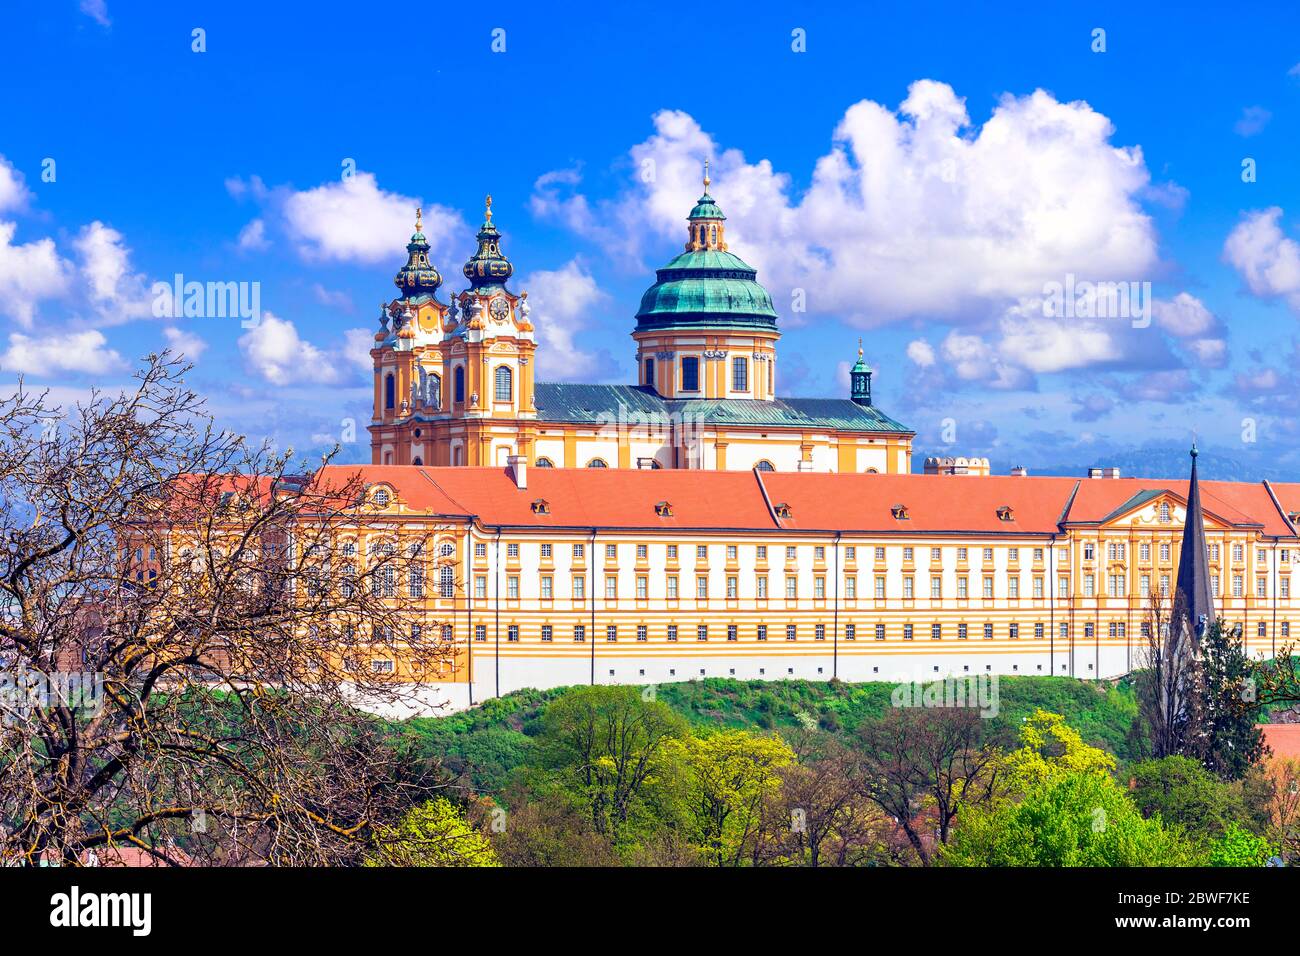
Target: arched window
390, 392
544, 463
764, 465
597, 463
504, 384
417, 460
460, 383
713, 234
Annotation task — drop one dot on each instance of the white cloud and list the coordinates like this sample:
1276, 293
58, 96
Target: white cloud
562, 301
97, 10
1266, 259
1184, 315
357, 344
911, 212
83, 351
1253, 120
921, 353
29, 273
252, 238
353, 220
274, 351
13, 192
116, 292
186, 343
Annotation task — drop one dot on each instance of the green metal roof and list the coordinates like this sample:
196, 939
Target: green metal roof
706, 208
590, 404
706, 288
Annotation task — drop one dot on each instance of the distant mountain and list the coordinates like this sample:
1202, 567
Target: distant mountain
1175, 463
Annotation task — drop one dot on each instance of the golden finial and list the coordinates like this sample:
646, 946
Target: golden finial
418, 213
859, 348
489, 207
706, 176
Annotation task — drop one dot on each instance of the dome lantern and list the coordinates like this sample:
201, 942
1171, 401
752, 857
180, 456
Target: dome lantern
488, 269
418, 277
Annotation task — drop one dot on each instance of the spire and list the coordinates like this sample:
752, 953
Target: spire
706, 230
418, 277
1193, 589
488, 268
706, 177
860, 380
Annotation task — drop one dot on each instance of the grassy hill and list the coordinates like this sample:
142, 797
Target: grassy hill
487, 743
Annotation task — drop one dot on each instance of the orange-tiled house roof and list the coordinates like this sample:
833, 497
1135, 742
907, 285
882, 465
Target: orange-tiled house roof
1283, 740
809, 501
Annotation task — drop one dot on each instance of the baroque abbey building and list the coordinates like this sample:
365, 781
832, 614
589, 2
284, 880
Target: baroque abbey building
695, 525
454, 381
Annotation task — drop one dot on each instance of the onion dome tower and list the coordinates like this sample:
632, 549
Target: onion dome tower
418, 278
487, 270
860, 380
707, 295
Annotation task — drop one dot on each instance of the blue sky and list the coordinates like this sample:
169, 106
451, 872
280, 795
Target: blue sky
917, 176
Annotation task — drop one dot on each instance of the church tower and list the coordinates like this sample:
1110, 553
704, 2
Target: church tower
706, 329
454, 382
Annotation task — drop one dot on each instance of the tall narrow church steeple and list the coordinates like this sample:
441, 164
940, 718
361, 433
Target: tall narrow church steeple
1193, 590
488, 268
418, 277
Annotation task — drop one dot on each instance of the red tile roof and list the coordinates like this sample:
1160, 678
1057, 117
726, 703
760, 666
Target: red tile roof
736, 500
1283, 740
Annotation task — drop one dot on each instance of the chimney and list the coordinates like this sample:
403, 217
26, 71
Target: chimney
1019, 471
1107, 472
518, 467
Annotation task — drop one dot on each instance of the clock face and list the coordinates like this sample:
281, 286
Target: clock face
499, 309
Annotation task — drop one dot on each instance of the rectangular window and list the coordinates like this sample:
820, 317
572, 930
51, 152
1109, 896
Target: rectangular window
962, 632
909, 555
649, 372
851, 553
988, 588
1063, 587
579, 588
962, 555
880, 589
480, 587
1013, 555
731, 552
701, 553
789, 553
907, 632
761, 552
480, 632
936, 587
579, 632
740, 374
512, 550
762, 632
1038, 588
732, 632
791, 587
672, 587
1238, 587
819, 553
1038, 555
702, 632
1261, 587
962, 588
909, 588
512, 632
690, 374
546, 633
762, 587
641, 552
851, 588
731, 588
642, 587
819, 632
546, 552
988, 632
880, 632
850, 632
672, 552
480, 549
701, 587
1214, 585
548, 587
819, 588
611, 587
611, 632
611, 552
1014, 632
1284, 587
791, 632
512, 587
672, 632
936, 632
880, 554
642, 633
1013, 587
579, 552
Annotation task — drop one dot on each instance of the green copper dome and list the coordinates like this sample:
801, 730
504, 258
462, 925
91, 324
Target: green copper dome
706, 286
419, 276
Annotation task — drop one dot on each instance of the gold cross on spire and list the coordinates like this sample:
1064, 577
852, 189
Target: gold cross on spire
706, 176
489, 207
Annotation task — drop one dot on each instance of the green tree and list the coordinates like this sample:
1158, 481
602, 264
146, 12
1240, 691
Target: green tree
1231, 741
606, 746
1182, 791
435, 833
728, 776
1075, 818
1051, 750
1239, 847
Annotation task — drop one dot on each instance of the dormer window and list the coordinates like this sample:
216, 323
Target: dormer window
541, 507
1005, 513
380, 498
899, 512
663, 509
1164, 512
782, 510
